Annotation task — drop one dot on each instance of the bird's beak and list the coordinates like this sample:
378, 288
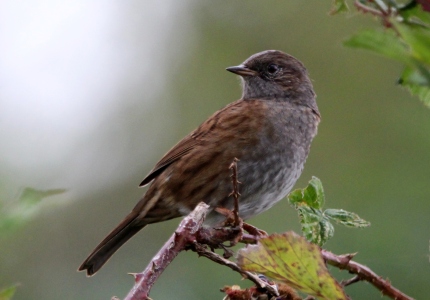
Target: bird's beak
242, 70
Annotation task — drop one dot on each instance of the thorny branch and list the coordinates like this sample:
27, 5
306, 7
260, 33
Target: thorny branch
186, 237
363, 273
178, 242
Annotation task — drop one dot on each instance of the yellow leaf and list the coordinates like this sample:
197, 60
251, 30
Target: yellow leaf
291, 259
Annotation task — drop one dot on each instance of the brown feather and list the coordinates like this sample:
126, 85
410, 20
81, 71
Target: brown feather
179, 150
186, 145
110, 244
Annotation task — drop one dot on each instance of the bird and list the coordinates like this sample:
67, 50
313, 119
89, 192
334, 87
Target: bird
269, 130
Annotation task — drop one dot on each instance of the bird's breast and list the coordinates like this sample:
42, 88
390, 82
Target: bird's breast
269, 172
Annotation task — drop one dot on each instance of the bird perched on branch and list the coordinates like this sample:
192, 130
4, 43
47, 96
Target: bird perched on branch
270, 130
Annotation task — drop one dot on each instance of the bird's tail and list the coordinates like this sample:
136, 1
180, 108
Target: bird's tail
121, 234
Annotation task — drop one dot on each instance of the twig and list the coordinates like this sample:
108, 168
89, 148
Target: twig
201, 250
350, 281
364, 273
367, 9
382, 6
176, 243
382, 11
235, 193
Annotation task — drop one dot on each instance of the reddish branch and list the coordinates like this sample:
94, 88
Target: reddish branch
188, 236
178, 242
363, 273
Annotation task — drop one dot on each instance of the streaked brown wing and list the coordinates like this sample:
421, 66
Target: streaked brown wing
179, 150
234, 117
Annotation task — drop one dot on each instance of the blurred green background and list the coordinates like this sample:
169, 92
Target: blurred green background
93, 93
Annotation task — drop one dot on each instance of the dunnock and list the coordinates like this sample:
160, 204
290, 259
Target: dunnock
269, 130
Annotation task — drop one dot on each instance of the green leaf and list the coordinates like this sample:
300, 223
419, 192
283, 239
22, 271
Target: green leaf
346, 218
417, 83
289, 258
411, 46
312, 195
315, 223
338, 6
315, 226
385, 43
418, 39
308, 202
423, 92
7, 293
295, 197
416, 15
32, 196
414, 76
20, 210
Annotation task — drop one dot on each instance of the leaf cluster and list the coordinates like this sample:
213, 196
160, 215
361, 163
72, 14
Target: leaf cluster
316, 222
404, 37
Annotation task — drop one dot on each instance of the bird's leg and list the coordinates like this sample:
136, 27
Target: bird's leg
216, 237
232, 224
226, 231
231, 228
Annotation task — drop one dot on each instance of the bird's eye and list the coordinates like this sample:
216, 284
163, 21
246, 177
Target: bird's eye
272, 69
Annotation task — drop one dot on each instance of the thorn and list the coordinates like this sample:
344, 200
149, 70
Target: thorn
137, 276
